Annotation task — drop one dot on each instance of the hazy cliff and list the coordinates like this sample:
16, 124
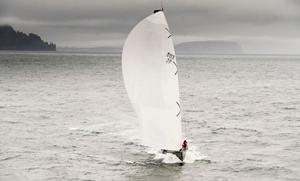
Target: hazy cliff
15, 40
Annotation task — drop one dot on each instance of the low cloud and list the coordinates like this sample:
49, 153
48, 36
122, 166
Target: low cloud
106, 22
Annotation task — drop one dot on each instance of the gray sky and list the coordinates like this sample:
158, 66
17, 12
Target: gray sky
260, 26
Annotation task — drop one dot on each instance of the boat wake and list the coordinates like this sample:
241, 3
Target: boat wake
191, 156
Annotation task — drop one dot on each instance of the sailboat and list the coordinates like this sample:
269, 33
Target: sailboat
151, 79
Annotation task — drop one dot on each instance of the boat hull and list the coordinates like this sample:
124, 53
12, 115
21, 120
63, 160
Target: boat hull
179, 154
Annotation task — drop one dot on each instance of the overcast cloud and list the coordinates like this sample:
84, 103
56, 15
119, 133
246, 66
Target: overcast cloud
262, 26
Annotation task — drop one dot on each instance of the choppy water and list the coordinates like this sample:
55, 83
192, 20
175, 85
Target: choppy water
67, 117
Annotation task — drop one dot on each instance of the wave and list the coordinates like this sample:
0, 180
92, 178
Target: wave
246, 130
191, 156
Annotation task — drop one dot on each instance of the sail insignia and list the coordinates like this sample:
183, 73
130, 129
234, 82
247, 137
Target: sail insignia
170, 57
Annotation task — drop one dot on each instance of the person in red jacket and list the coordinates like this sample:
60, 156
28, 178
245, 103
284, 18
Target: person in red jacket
184, 146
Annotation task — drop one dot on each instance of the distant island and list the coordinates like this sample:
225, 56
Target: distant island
16, 40
209, 47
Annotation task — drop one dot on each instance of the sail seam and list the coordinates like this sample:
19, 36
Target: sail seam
168, 32
179, 109
176, 67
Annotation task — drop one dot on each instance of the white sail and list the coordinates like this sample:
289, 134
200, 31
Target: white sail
151, 79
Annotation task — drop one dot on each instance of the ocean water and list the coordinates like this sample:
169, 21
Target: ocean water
67, 116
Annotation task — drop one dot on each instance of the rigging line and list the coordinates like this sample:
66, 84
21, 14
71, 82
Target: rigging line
185, 129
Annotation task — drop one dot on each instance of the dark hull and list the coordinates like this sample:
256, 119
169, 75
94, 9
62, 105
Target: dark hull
179, 154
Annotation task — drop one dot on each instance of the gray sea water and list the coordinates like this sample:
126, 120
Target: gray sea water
67, 117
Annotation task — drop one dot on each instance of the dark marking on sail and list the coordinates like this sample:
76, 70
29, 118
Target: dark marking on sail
176, 67
168, 32
179, 109
170, 57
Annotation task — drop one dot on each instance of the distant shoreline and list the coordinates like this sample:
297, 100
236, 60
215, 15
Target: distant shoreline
11, 39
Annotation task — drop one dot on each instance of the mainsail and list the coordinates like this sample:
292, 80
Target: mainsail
151, 79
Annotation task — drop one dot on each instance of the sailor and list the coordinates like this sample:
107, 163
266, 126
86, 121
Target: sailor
184, 146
